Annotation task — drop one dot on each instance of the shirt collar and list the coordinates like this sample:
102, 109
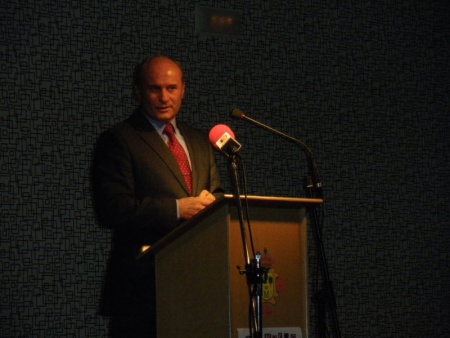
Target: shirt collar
159, 125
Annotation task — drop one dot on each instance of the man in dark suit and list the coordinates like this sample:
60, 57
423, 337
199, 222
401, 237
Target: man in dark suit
142, 192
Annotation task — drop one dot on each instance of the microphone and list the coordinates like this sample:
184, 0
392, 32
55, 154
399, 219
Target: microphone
237, 113
222, 138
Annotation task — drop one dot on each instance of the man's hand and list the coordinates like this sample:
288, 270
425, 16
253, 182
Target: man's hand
190, 206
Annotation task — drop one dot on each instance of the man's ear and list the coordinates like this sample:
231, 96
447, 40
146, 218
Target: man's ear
184, 90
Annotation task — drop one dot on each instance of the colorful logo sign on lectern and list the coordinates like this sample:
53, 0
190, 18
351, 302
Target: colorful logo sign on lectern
274, 283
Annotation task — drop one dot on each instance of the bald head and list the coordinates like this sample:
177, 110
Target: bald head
159, 87
142, 67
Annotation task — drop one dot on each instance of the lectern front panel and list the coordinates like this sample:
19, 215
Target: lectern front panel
280, 236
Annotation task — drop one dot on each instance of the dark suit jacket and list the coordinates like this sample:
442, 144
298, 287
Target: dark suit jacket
136, 181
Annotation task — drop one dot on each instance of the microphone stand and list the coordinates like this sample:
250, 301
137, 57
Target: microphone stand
314, 189
256, 275
237, 196
325, 296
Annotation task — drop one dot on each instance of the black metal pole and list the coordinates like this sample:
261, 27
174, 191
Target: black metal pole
325, 296
252, 267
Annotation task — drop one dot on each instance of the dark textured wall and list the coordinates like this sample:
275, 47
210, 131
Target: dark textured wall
364, 83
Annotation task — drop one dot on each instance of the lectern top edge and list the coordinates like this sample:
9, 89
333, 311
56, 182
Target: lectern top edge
289, 202
301, 200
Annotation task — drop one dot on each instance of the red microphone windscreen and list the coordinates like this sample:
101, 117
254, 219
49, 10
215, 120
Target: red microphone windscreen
217, 132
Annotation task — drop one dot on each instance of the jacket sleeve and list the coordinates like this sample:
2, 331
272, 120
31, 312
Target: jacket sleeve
117, 200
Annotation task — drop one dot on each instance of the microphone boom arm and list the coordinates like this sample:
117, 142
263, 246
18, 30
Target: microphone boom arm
314, 172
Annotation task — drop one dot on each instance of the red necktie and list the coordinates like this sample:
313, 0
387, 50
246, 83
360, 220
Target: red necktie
180, 155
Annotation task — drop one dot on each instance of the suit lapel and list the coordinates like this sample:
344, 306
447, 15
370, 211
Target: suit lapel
151, 137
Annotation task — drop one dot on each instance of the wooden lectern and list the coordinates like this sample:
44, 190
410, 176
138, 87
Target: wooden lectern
200, 292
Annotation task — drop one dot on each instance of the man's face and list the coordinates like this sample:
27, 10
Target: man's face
162, 89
